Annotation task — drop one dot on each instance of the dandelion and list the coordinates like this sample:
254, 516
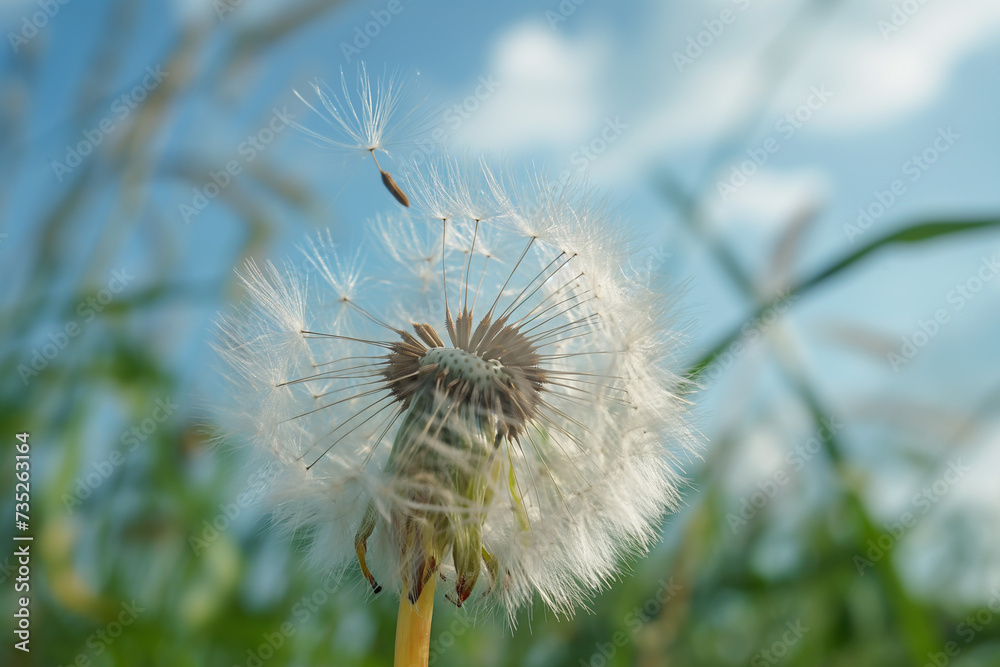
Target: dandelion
368, 127
488, 403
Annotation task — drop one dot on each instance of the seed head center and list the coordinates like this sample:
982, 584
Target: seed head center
467, 365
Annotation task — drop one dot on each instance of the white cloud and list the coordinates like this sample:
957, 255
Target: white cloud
874, 80
881, 73
547, 94
771, 198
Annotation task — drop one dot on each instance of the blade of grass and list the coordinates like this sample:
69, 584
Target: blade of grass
913, 234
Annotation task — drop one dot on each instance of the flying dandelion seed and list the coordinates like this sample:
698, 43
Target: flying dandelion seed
490, 406
368, 126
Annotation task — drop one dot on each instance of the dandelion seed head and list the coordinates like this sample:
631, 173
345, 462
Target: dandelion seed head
490, 401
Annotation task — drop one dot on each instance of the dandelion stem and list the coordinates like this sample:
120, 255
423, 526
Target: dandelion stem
413, 628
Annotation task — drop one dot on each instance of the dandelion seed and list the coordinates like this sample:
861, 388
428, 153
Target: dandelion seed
489, 407
390, 184
367, 127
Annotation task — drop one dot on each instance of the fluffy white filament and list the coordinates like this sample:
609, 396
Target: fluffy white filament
577, 465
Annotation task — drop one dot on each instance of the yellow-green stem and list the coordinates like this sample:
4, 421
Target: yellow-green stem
413, 628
